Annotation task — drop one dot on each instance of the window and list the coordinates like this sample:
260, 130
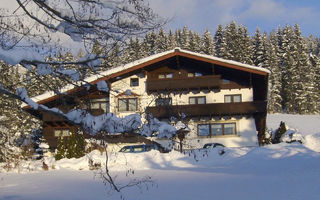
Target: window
197, 100
225, 81
195, 74
99, 104
214, 129
166, 75
62, 133
134, 82
128, 104
232, 98
163, 101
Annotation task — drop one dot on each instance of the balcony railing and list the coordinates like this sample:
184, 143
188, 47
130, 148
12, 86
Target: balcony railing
200, 82
216, 109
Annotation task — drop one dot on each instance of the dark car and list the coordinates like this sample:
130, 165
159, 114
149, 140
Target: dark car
212, 145
138, 148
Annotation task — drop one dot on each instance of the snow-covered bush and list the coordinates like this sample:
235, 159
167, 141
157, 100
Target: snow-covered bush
286, 134
279, 132
292, 135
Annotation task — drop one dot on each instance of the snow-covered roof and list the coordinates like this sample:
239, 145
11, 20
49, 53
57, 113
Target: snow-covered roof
120, 70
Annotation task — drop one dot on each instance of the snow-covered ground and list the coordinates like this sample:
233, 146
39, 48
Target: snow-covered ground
282, 171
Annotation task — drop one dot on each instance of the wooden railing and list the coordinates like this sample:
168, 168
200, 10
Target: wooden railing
169, 84
215, 109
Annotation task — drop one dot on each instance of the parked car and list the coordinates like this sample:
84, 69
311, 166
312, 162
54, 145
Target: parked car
138, 148
212, 145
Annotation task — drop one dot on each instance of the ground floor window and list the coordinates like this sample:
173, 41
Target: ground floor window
214, 129
128, 104
62, 133
100, 104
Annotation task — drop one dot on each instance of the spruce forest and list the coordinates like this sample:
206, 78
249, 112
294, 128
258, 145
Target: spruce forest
294, 62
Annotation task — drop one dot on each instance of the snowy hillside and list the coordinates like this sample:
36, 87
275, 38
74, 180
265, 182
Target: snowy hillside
282, 171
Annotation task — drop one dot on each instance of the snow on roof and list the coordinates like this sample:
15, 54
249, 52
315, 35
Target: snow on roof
118, 69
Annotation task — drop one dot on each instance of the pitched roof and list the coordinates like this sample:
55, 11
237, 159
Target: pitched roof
138, 64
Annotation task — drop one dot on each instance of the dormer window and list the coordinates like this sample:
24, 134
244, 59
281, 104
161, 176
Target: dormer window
165, 75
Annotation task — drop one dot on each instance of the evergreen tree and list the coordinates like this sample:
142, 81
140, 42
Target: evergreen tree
207, 45
76, 145
185, 38
315, 62
178, 37
149, 44
231, 37
14, 122
245, 46
272, 63
162, 41
220, 43
258, 46
172, 43
61, 149
196, 46
303, 79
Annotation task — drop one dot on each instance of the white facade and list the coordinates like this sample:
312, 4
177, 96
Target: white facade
246, 134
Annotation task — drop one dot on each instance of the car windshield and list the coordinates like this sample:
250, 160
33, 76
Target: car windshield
125, 149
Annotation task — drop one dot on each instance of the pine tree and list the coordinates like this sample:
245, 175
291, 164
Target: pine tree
172, 43
207, 45
185, 38
272, 63
162, 41
315, 62
232, 39
258, 46
149, 44
14, 122
61, 149
75, 145
245, 46
303, 83
220, 43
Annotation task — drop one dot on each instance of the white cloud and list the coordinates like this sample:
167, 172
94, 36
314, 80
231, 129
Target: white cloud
201, 14
264, 9
173, 8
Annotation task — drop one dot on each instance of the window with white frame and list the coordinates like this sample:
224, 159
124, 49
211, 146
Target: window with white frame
134, 82
163, 101
102, 103
197, 100
62, 133
216, 129
127, 104
165, 75
234, 98
194, 74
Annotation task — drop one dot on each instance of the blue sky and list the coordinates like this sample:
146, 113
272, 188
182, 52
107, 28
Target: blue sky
200, 15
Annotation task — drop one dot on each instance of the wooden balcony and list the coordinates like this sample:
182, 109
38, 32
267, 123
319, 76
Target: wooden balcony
216, 109
171, 84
